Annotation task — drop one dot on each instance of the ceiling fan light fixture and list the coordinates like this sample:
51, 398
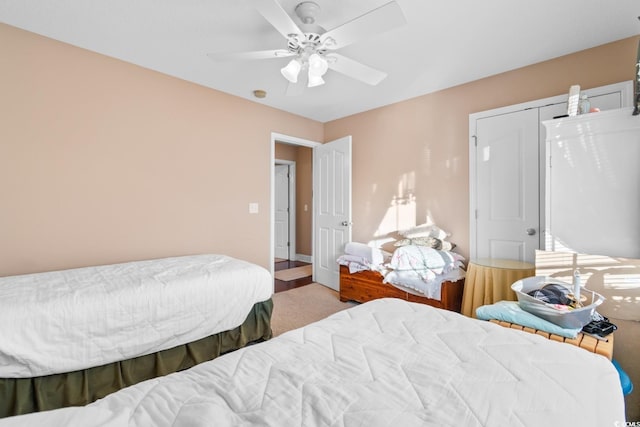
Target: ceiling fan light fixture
315, 80
318, 66
311, 46
291, 71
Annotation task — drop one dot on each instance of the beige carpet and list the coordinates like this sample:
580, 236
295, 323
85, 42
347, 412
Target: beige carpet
293, 273
300, 306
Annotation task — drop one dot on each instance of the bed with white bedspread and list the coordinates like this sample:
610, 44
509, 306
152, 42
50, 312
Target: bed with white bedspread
385, 362
72, 320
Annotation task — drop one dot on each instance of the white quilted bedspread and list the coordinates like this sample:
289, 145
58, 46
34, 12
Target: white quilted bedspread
63, 321
383, 363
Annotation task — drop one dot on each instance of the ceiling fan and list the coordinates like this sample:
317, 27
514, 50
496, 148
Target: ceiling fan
313, 48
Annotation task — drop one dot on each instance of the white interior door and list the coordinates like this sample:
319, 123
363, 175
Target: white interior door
332, 206
281, 213
507, 213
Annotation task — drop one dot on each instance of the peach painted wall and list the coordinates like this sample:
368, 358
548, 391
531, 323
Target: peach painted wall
102, 161
411, 159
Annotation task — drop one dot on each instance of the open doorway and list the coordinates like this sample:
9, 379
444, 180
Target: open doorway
292, 268
293, 189
330, 210
292, 213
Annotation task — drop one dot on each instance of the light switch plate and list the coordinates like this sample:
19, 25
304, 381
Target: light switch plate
253, 208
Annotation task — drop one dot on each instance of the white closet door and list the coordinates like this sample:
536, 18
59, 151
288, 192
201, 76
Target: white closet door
499, 215
507, 215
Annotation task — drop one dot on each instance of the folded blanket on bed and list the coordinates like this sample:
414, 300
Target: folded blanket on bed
415, 282
372, 255
355, 263
422, 259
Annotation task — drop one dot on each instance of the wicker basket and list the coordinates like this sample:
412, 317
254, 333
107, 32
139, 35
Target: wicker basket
571, 319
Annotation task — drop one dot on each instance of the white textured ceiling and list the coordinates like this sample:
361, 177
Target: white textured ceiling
444, 43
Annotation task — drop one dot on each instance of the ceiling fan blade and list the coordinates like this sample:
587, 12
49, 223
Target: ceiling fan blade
380, 20
277, 16
258, 54
355, 70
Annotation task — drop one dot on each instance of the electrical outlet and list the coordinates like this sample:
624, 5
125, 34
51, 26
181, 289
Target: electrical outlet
253, 208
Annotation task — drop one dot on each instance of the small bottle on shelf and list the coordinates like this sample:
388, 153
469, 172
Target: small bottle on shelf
584, 105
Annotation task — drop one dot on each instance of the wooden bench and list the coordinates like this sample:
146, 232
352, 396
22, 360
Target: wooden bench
586, 342
367, 285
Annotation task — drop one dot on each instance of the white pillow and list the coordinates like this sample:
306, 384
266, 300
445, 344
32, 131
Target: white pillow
432, 242
425, 230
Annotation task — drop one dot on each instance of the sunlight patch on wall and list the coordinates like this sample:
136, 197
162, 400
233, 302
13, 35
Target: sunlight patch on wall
401, 213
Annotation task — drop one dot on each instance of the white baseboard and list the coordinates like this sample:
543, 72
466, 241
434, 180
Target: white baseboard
304, 258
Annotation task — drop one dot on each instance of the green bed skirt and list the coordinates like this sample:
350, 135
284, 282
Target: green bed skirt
25, 395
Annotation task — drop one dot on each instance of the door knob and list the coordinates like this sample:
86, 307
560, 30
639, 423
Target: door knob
346, 223
531, 231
